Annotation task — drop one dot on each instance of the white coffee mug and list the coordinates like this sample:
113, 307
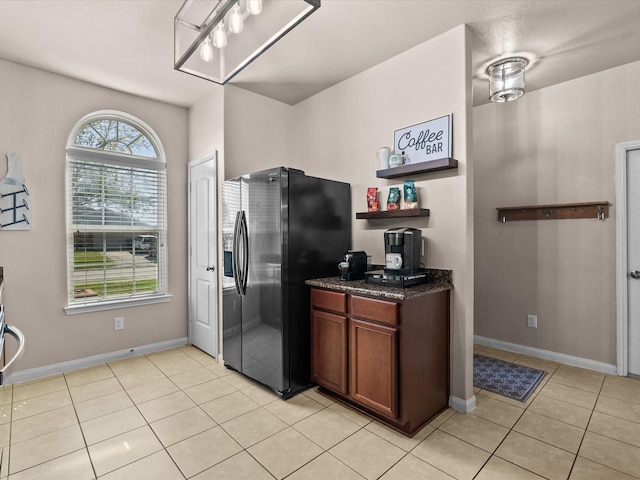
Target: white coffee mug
397, 161
393, 260
383, 157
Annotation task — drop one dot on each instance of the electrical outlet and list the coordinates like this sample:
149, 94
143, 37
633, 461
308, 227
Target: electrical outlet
118, 323
532, 321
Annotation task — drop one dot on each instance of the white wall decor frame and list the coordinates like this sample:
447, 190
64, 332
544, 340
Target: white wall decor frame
15, 212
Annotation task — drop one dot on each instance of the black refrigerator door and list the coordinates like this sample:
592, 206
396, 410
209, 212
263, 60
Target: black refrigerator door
319, 235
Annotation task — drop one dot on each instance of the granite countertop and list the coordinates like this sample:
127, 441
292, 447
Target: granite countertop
439, 280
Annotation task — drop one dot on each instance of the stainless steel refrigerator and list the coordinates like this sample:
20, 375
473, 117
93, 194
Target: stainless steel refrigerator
280, 228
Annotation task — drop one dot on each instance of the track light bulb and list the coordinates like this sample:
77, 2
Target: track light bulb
236, 22
254, 6
219, 36
206, 50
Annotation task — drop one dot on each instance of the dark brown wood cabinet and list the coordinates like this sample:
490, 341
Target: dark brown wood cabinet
329, 344
373, 358
388, 358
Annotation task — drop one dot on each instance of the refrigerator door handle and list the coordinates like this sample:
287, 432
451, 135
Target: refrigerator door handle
245, 254
236, 250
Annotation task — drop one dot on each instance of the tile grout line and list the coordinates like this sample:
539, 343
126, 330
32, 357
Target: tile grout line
10, 433
165, 448
84, 438
147, 424
586, 428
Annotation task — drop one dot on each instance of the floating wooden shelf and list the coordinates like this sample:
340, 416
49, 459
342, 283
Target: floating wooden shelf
422, 167
556, 211
409, 212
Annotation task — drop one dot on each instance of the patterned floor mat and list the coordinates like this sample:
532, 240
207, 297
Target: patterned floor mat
508, 379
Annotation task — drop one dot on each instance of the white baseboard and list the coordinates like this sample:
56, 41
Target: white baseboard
56, 368
547, 355
461, 405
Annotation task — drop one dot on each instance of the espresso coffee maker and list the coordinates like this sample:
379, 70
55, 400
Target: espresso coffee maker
354, 265
402, 250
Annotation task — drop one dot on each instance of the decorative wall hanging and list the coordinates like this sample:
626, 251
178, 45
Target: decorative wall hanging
14, 206
426, 141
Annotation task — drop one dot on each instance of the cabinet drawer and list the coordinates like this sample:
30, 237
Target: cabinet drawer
329, 300
372, 309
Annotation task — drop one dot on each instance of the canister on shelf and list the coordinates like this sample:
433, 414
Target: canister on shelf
372, 199
393, 201
410, 195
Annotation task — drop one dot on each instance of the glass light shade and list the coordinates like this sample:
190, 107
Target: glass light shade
506, 79
219, 36
206, 50
254, 7
236, 22
198, 19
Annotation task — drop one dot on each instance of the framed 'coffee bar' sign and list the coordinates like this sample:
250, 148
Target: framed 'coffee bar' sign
426, 141
425, 147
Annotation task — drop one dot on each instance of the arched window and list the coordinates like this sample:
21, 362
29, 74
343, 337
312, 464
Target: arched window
116, 213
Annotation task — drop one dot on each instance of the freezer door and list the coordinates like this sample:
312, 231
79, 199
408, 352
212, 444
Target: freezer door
319, 235
262, 316
231, 301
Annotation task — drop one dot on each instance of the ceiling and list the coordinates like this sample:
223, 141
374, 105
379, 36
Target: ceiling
127, 45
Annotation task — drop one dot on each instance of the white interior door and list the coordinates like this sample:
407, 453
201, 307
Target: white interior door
203, 257
633, 258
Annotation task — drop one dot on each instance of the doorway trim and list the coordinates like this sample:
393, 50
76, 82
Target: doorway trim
622, 299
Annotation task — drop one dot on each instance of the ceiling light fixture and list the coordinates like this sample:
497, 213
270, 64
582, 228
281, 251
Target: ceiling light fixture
258, 24
506, 79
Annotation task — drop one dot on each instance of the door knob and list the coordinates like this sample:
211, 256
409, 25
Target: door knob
211, 269
635, 274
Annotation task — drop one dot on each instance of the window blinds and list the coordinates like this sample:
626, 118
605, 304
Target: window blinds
116, 218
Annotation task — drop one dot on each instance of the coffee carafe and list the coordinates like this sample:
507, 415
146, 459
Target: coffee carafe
402, 250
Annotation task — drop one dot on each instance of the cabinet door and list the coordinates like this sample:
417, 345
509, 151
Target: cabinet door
373, 374
329, 350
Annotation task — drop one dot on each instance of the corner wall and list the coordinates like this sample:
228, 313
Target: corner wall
554, 145
338, 131
37, 113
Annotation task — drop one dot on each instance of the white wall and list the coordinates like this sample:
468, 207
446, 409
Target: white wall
206, 125
554, 145
257, 133
37, 112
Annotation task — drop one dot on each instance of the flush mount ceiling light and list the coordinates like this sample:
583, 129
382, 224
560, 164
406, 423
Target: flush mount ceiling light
506, 79
216, 39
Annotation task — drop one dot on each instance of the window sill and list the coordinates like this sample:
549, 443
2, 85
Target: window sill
113, 304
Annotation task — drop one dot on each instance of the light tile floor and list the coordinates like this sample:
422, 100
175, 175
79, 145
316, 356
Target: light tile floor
178, 415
